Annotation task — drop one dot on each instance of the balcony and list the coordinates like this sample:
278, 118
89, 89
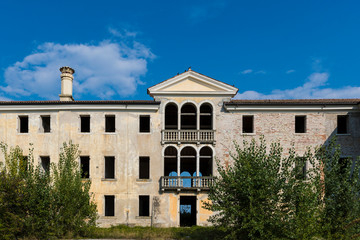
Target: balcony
188, 136
185, 183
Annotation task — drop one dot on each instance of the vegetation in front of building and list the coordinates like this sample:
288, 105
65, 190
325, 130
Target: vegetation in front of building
43, 204
266, 194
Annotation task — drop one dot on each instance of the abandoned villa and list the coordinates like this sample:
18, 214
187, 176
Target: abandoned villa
151, 162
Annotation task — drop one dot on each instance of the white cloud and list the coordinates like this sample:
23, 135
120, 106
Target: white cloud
290, 71
104, 70
312, 88
260, 72
247, 71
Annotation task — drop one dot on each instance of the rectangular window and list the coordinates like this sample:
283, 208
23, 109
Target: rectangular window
144, 201
342, 124
300, 168
85, 166
110, 206
85, 124
145, 124
248, 124
144, 167
110, 123
300, 124
109, 167
45, 124
45, 163
343, 164
24, 124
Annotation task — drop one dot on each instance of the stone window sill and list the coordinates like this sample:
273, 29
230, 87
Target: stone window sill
109, 179
143, 180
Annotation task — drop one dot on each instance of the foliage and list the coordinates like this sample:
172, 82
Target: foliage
126, 232
263, 194
41, 204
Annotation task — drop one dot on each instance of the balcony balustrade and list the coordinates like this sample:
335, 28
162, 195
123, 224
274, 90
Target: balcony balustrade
185, 183
188, 136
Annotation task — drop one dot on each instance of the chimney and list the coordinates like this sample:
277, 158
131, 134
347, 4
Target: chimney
66, 83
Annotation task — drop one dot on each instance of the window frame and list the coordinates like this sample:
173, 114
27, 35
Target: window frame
114, 165
148, 167
149, 130
304, 122
252, 123
85, 116
42, 129
80, 163
141, 206
20, 117
106, 122
114, 205
347, 132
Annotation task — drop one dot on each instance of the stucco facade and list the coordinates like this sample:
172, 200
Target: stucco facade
175, 138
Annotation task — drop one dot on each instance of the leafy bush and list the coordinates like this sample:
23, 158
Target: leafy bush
41, 204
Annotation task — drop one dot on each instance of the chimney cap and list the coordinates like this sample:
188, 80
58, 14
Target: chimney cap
67, 69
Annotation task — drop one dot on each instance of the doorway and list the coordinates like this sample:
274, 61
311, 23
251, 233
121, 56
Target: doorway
187, 211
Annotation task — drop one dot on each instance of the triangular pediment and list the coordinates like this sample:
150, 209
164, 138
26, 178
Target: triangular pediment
192, 83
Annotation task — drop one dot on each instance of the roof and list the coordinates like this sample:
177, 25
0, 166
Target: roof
57, 102
353, 101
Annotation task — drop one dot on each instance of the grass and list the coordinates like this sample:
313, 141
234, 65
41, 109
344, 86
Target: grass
121, 231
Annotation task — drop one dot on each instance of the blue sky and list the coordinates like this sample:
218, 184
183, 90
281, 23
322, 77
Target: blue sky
267, 49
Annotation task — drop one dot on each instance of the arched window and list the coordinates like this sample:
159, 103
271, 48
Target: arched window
206, 117
188, 117
170, 161
206, 161
171, 116
188, 161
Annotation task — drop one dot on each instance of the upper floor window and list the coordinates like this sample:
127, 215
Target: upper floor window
45, 163
206, 116
23, 124
300, 124
45, 124
110, 167
248, 124
171, 116
85, 166
188, 117
144, 124
342, 124
109, 123
85, 124
144, 167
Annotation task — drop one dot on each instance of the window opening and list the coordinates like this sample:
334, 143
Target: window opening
342, 124
24, 124
171, 116
85, 166
45, 124
110, 206
206, 117
205, 161
300, 168
144, 167
343, 164
45, 163
188, 117
109, 167
248, 124
85, 123
187, 165
170, 161
110, 123
144, 203
145, 124
300, 124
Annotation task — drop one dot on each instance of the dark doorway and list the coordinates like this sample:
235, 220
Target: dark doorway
187, 211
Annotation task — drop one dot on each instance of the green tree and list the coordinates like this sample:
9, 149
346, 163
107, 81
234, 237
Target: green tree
261, 196
41, 204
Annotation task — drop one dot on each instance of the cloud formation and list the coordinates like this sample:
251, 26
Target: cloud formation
104, 70
247, 71
312, 88
290, 71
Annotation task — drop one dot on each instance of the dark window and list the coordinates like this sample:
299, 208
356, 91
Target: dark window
300, 168
188, 117
144, 168
342, 124
109, 206
85, 123
171, 116
109, 167
145, 124
248, 124
45, 163
85, 166
45, 123
206, 117
24, 124
343, 165
109, 123
144, 205
300, 124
